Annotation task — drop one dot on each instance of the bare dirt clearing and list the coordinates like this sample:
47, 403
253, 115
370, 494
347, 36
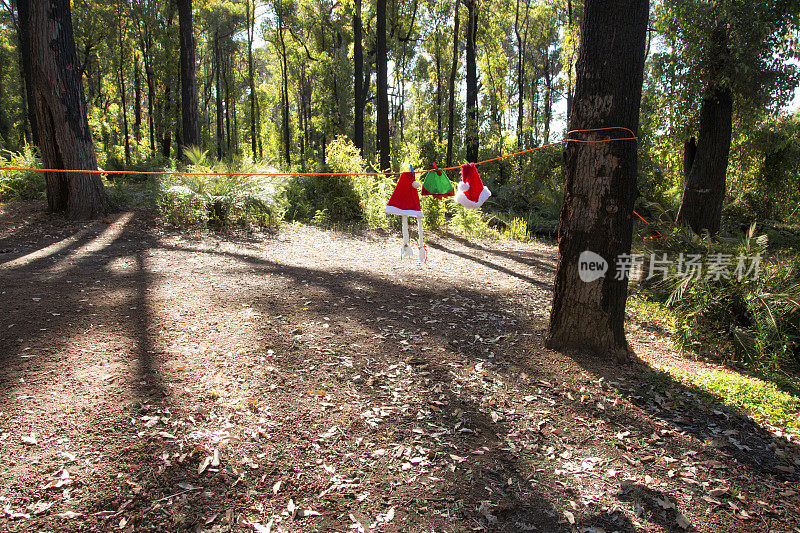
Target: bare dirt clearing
159, 380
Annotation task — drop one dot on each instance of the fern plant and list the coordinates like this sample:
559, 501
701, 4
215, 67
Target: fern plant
21, 184
753, 319
214, 196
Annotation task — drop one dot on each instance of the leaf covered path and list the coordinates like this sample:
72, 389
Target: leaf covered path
155, 380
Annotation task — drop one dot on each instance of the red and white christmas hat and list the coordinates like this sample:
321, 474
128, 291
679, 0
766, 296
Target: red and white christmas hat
471, 191
404, 199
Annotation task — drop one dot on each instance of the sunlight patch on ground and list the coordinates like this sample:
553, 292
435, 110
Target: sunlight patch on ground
45, 252
102, 241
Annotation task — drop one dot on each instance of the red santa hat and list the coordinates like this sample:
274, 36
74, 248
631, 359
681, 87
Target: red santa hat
404, 199
471, 191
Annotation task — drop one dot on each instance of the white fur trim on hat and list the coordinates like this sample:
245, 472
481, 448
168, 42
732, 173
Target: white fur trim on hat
392, 210
461, 198
416, 184
463, 186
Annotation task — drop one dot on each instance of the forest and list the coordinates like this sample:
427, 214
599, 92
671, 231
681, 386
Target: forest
281, 84
215, 318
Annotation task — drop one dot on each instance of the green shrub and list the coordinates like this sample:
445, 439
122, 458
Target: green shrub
220, 199
516, 230
21, 185
472, 222
752, 320
434, 211
325, 199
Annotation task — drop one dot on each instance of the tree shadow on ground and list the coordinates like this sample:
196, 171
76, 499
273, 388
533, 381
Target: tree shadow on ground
494, 266
71, 387
543, 263
407, 337
403, 298
454, 500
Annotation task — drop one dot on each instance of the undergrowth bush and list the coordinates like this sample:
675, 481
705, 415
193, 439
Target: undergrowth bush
21, 185
750, 320
325, 199
220, 199
372, 193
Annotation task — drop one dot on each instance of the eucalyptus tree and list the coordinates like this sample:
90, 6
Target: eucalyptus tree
728, 60
190, 125
65, 140
596, 223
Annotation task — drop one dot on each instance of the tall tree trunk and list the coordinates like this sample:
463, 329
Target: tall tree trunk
177, 151
166, 134
535, 111
589, 314
151, 100
59, 111
137, 105
438, 59
123, 95
191, 127
4, 125
548, 99
251, 76
24, 40
285, 126
218, 94
452, 90
358, 80
382, 80
471, 134
226, 82
704, 183
521, 48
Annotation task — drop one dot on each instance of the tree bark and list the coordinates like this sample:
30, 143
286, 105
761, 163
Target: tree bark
191, 128
382, 81
151, 100
137, 105
600, 184
471, 134
123, 95
522, 42
166, 134
218, 94
438, 59
225, 69
24, 41
358, 80
705, 174
59, 110
548, 99
452, 90
251, 77
287, 137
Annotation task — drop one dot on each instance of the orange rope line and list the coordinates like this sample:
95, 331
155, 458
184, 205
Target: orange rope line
660, 236
633, 137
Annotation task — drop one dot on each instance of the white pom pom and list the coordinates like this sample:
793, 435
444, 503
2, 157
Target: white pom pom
463, 186
417, 185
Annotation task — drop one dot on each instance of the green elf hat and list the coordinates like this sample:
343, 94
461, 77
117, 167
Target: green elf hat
435, 183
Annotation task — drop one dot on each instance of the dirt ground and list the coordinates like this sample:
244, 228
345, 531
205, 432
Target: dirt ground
154, 379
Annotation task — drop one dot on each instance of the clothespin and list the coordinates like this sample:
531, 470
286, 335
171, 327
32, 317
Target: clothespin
412, 171
438, 172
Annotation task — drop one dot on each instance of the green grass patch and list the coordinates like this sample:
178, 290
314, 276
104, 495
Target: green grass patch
761, 400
